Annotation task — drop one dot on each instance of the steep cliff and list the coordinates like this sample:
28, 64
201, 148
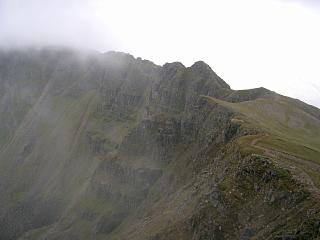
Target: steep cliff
106, 146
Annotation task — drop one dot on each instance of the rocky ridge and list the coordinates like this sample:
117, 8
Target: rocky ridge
106, 146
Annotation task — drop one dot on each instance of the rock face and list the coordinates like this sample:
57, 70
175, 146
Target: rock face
106, 146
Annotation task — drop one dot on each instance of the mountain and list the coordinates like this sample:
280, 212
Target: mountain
108, 146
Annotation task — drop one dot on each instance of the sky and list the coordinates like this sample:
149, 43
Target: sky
249, 43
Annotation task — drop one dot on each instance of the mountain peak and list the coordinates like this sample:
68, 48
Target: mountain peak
204, 71
177, 65
201, 66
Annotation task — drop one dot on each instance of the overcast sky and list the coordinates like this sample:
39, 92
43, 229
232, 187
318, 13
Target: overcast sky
249, 43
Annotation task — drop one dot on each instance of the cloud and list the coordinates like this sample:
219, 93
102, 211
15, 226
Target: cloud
249, 43
310, 3
57, 22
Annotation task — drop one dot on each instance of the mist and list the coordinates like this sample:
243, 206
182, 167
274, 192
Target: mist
249, 43
96, 143
59, 23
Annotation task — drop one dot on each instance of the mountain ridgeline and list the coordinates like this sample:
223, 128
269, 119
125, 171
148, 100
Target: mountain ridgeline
107, 146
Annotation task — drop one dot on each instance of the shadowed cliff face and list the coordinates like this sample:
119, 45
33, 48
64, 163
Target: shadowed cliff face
106, 146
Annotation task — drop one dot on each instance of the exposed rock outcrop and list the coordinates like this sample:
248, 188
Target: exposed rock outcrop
106, 146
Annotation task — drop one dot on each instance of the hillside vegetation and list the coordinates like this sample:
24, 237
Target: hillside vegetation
107, 146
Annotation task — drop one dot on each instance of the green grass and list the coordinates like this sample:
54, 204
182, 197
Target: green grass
245, 145
291, 148
289, 129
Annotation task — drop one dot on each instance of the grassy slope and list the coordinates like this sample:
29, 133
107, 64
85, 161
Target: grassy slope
286, 132
287, 128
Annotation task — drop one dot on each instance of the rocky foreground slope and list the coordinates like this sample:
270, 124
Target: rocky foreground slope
106, 146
